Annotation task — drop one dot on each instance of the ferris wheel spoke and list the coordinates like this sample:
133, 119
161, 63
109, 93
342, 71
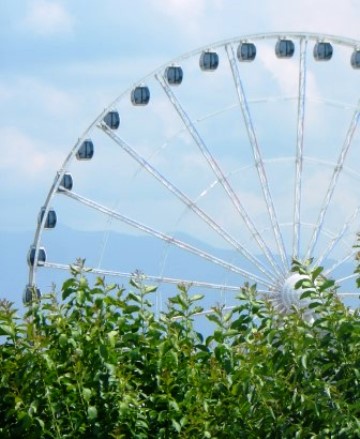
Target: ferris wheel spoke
190, 204
219, 175
299, 148
345, 278
348, 294
167, 238
349, 171
350, 255
157, 279
264, 100
257, 155
337, 239
334, 179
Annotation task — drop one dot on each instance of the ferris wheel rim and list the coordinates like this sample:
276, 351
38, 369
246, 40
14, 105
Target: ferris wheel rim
157, 73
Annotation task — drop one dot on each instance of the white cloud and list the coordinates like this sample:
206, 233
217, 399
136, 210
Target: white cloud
194, 19
182, 9
207, 21
25, 159
286, 73
53, 100
40, 96
5, 93
327, 16
46, 17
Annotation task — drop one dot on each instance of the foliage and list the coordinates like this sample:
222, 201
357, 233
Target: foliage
102, 364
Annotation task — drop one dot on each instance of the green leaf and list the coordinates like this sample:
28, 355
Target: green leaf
80, 297
315, 273
99, 302
173, 356
92, 413
173, 404
112, 369
103, 351
214, 318
176, 425
228, 316
306, 294
196, 297
86, 394
304, 361
68, 288
315, 305
112, 335
63, 340
7, 330
83, 283
40, 422
50, 363
134, 297
130, 309
327, 284
24, 418
304, 284
150, 289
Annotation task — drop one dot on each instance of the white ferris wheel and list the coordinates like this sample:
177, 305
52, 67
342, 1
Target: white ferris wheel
218, 168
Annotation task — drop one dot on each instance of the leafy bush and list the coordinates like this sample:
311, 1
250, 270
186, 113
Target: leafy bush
102, 364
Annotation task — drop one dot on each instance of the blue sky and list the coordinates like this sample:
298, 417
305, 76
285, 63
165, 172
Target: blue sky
64, 61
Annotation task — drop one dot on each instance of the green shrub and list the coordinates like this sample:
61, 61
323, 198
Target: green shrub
101, 364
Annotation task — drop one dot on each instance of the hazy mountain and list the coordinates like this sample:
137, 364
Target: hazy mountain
117, 252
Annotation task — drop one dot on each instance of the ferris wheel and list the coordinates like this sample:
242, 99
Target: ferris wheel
218, 168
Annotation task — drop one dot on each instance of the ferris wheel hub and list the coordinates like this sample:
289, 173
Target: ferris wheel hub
290, 295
